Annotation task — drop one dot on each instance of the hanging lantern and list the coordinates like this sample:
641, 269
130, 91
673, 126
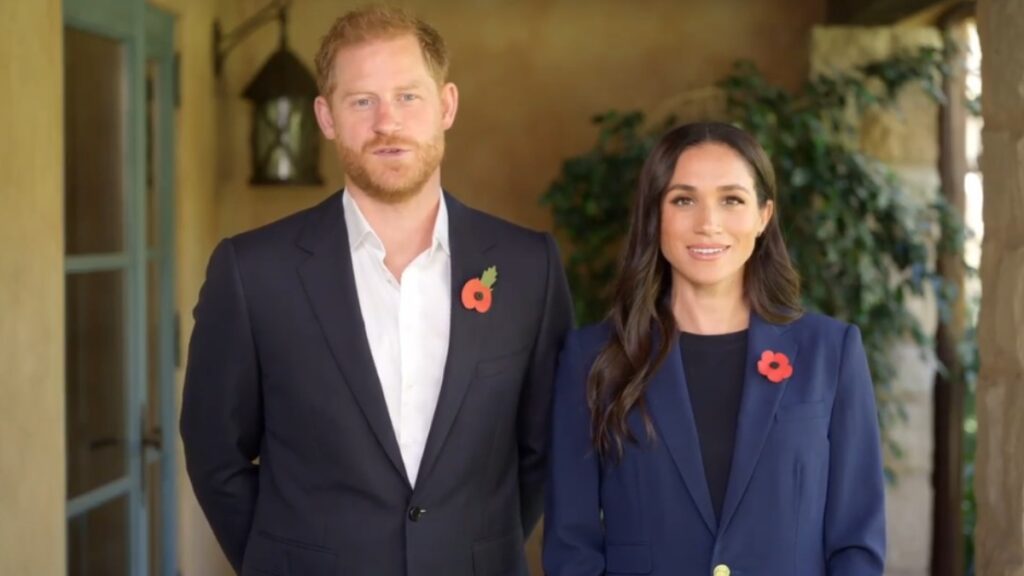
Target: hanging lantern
285, 141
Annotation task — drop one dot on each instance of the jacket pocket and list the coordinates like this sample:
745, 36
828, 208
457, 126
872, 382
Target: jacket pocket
299, 558
627, 559
498, 556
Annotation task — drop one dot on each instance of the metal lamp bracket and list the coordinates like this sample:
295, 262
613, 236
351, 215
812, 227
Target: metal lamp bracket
225, 42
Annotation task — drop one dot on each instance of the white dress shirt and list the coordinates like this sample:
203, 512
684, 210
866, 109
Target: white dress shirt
407, 322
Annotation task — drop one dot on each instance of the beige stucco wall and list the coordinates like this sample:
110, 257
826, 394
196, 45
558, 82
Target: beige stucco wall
31, 290
531, 73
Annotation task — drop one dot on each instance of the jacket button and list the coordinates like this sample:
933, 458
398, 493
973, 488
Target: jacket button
721, 570
415, 513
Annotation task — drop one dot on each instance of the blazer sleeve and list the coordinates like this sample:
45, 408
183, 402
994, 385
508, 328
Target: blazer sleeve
855, 505
535, 402
573, 531
221, 413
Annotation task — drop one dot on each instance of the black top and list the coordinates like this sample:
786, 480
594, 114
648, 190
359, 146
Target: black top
714, 369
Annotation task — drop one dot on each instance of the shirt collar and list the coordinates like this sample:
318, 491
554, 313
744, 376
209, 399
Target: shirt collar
360, 232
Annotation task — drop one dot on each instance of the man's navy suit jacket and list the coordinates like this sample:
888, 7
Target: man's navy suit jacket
287, 438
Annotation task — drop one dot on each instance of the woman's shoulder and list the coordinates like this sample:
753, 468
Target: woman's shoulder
812, 327
589, 339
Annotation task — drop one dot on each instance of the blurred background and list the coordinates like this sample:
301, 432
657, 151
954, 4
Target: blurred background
134, 135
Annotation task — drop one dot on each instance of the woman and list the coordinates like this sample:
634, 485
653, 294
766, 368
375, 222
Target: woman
709, 426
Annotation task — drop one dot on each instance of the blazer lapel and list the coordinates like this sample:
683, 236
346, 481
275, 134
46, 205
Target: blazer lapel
330, 286
757, 409
669, 404
468, 245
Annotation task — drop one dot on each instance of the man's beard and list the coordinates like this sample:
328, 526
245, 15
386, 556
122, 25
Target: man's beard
392, 183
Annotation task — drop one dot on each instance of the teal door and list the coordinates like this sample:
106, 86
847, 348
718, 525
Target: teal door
119, 349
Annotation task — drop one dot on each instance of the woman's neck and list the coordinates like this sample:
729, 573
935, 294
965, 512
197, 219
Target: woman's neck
710, 310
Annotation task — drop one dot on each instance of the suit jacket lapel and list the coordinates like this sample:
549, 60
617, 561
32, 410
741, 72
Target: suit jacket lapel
757, 409
669, 404
468, 244
330, 286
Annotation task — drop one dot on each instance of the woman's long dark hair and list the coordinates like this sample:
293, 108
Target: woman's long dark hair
641, 315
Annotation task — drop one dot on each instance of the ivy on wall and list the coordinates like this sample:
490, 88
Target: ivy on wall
859, 239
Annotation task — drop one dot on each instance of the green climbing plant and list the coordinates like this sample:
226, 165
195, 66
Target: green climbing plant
858, 238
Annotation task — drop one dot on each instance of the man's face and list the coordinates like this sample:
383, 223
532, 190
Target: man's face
387, 117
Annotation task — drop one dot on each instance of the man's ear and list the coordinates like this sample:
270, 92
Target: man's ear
322, 108
449, 104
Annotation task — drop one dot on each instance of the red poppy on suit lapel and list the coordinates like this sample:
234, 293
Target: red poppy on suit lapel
477, 292
774, 366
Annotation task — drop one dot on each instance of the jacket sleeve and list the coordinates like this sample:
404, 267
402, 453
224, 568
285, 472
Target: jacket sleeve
221, 413
855, 505
573, 531
535, 401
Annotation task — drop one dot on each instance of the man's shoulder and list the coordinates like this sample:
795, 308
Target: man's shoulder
284, 232
502, 230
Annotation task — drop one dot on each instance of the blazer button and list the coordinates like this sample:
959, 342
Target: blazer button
415, 513
721, 570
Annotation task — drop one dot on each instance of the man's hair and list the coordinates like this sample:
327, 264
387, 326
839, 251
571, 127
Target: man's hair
379, 22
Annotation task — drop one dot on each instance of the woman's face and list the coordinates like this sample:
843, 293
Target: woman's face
710, 219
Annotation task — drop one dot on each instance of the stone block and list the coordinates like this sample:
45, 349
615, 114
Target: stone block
922, 182
907, 519
914, 437
843, 48
908, 132
905, 133
914, 37
915, 369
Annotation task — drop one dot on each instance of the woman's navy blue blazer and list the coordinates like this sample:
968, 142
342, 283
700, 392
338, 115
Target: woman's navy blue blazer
805, 495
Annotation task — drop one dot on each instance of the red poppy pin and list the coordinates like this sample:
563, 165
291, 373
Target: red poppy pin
774, 366
476, 293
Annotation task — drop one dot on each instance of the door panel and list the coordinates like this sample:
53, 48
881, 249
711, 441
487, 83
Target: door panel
120, 396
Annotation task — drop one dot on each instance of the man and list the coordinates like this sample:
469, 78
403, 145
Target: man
369, 380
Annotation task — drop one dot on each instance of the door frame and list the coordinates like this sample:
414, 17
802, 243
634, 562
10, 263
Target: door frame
147, 34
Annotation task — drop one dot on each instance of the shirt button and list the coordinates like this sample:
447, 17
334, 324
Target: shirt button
721, 570
415, 513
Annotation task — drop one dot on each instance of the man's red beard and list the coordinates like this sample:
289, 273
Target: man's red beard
392, 184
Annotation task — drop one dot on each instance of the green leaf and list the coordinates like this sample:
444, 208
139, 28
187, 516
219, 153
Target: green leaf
489, 277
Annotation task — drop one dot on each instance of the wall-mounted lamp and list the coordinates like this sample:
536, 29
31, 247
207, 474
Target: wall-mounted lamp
285, 142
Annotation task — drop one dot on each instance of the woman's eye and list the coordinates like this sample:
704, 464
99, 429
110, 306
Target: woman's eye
734, 201
682, 201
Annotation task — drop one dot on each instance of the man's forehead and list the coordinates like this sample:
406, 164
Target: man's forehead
402, 47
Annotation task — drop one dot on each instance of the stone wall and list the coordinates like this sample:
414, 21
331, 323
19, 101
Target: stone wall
907, 139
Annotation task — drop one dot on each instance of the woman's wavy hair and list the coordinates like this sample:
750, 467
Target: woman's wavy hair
641, 316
